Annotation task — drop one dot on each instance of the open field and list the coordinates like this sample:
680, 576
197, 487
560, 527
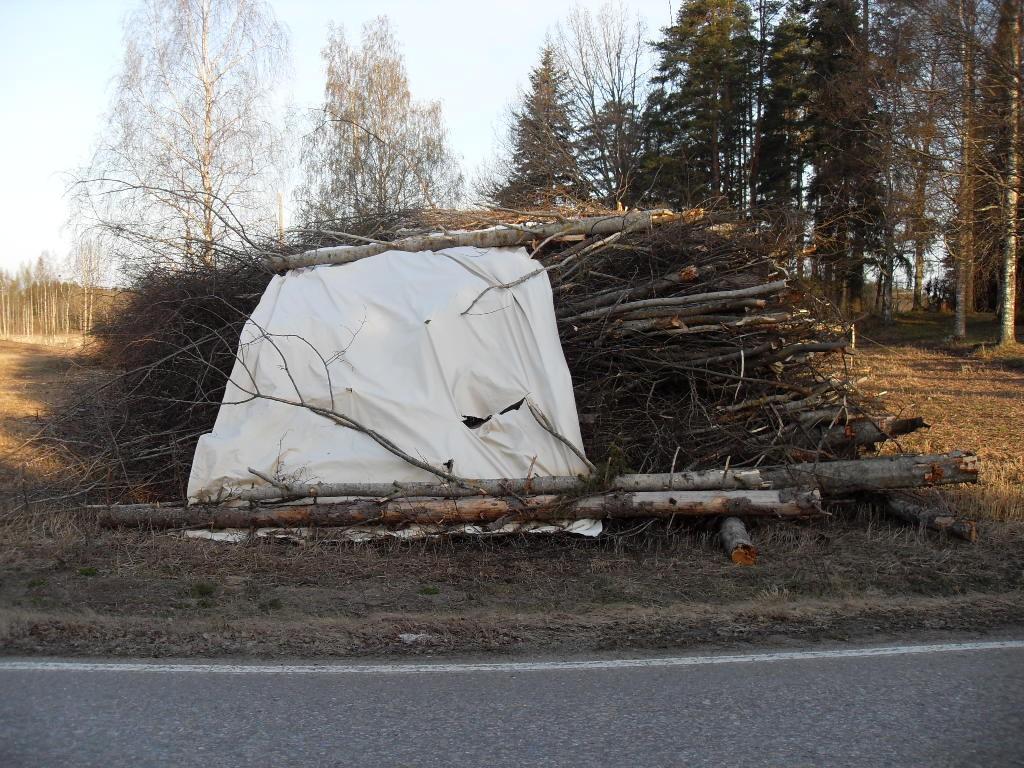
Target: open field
971, 394
66, 587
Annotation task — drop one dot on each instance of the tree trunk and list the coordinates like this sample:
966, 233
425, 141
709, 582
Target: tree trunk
862, 432
965, 257
918, 274
932, 516
1008, 308
782, 503
486, 238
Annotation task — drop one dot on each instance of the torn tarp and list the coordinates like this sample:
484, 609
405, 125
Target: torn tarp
405, 345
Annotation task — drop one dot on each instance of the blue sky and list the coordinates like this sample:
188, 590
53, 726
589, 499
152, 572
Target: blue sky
58, 57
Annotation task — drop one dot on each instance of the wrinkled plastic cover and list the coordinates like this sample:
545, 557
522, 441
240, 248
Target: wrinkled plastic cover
385, 341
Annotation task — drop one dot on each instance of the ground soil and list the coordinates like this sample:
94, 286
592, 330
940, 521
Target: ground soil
69, 588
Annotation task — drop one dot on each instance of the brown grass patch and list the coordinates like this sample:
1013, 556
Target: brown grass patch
67, 587
973, 401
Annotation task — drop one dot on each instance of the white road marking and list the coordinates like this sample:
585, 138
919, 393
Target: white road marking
509, 666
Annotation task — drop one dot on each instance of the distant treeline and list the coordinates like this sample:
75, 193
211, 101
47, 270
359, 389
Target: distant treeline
38, 301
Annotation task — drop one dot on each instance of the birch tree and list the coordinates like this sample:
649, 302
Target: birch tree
1011, 12
373, 149
189, 142
604, 58
88, 267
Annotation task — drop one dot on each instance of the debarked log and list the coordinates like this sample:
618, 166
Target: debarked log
785, 503
505, 235
832, 478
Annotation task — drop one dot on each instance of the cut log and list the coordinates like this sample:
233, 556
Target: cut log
783, 503
864, 432
832, 478
685, 275
736, 542
682, 301
694, 311
485, 238
930, 514
836, 479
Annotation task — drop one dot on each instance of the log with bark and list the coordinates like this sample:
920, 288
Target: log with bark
785, 503
736, 541
486, 238
930, 513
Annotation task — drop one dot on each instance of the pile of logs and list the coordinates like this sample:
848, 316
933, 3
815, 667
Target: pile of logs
689, 343
787, 492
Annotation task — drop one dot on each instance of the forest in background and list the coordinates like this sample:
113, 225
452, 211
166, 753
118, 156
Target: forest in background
54, 299
886, 132
883, 134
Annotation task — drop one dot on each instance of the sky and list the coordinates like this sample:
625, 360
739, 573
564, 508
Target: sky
58, 59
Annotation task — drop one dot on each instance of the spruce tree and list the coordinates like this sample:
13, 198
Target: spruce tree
700, 111
543, 169
844, 189
779, 180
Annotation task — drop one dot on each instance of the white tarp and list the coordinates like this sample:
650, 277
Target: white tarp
384, 341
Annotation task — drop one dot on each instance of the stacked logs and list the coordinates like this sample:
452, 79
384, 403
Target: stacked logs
787, 492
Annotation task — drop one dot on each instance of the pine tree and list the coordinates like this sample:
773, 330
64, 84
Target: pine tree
543, 169
700, 111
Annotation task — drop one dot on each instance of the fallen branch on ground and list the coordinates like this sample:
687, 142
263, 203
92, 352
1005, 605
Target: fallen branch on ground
932, 514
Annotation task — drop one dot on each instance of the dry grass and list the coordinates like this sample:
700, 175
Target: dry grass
971, 394
67, 587
33, 378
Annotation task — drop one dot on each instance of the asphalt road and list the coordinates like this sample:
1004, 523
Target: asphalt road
926, 706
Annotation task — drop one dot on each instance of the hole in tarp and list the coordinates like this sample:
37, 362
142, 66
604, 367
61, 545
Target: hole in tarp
474, 422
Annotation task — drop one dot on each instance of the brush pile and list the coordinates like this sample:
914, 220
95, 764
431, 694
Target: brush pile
693, 352
691, 347
689, 344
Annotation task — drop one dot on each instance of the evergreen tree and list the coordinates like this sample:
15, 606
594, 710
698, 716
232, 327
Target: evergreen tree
543, 168
700, 111
844, 189
783, 154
